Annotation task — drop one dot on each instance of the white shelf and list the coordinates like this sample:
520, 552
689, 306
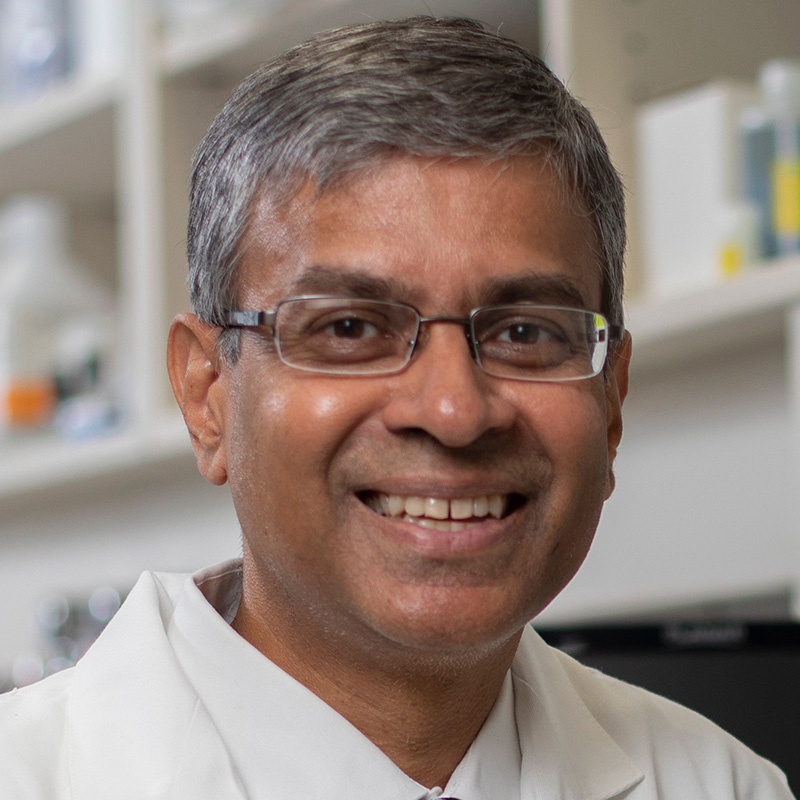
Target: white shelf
712, 321
187, 50
59, 106
46, 462
62, 141
242, 41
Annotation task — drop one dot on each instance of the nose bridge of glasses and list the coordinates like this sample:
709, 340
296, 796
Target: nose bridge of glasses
464, 322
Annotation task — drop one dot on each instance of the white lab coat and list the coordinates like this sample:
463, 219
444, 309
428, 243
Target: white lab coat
125, 724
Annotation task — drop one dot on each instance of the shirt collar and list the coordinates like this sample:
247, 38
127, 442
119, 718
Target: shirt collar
279, 733
566, 753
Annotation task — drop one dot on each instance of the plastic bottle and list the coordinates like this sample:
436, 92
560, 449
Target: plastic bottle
770, 153
780, 87
757, 136
737, 226
43, 295
35, 45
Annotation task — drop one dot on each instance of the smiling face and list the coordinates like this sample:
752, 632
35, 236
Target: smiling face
438, 508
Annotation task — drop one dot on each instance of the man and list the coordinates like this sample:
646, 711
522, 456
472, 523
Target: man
407, 362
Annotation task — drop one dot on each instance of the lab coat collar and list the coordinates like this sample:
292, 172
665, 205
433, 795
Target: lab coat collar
134, 721
566, 753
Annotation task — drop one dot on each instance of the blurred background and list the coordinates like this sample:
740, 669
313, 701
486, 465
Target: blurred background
101, 105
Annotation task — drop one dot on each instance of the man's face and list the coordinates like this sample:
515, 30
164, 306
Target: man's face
313, 461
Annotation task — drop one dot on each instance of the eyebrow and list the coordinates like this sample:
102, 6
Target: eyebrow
318, 279
525, 287
533, 286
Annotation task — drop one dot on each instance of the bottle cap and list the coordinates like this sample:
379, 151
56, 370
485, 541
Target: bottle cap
780, 87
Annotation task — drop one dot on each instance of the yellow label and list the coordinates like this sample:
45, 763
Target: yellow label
786, 197
731, 262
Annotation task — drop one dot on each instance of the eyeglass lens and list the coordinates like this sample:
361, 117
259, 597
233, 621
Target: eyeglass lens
521, 341
372, 337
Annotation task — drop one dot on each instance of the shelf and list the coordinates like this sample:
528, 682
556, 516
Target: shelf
41, 463
194, 48
712, 321
63, 141
239, 42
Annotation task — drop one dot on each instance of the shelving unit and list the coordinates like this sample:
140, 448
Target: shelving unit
712, 322
117, 150
706, 504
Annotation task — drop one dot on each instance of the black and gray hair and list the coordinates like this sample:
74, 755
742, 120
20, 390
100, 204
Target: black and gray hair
350, 98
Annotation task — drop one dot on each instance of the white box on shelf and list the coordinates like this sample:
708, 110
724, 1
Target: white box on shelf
690, 174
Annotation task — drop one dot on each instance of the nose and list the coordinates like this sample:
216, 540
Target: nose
444, 393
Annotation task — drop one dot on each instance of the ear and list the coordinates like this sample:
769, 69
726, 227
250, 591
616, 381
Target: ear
198, 386
616, 391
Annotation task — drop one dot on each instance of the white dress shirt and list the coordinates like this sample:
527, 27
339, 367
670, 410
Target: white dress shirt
282, 736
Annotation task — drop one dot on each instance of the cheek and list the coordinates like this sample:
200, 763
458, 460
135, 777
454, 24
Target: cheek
569, 419
570, 424
298, 425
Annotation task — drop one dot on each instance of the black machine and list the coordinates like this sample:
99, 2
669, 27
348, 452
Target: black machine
743, 676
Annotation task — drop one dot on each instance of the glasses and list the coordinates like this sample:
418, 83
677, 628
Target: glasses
349, 336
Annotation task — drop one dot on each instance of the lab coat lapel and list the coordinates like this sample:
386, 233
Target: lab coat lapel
135, 728
566, 753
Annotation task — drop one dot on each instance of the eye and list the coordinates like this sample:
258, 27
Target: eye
529, 332
351, 327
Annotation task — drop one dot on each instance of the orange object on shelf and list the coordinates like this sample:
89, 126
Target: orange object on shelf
28, 402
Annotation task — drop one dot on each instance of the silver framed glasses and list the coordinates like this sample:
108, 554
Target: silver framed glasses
351, 336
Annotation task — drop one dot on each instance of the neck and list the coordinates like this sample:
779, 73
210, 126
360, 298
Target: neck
422, 711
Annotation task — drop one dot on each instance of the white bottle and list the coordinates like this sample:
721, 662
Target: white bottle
42, 293
780, 87
35, 46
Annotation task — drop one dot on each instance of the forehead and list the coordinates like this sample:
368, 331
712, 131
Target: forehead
438, 233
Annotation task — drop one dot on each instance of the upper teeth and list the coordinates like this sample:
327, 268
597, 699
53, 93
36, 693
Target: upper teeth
394, 505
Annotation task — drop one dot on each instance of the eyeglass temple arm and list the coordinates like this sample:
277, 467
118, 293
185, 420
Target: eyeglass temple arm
250, 319
613, 333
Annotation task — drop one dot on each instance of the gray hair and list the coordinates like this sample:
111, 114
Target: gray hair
350, 98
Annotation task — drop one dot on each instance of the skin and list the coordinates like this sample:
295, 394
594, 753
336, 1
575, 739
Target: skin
407, 633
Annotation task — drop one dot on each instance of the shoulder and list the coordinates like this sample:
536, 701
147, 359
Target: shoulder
42, 725
33, 754
673, 744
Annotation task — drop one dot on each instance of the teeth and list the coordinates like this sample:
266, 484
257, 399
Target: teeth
437, 524
415, 506
437, 508
394, 504
480, 506
439, 512
497, 504
461, 509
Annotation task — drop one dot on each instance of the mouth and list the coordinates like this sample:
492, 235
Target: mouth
442, 513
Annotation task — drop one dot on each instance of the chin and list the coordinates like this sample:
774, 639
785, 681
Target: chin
454, 622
